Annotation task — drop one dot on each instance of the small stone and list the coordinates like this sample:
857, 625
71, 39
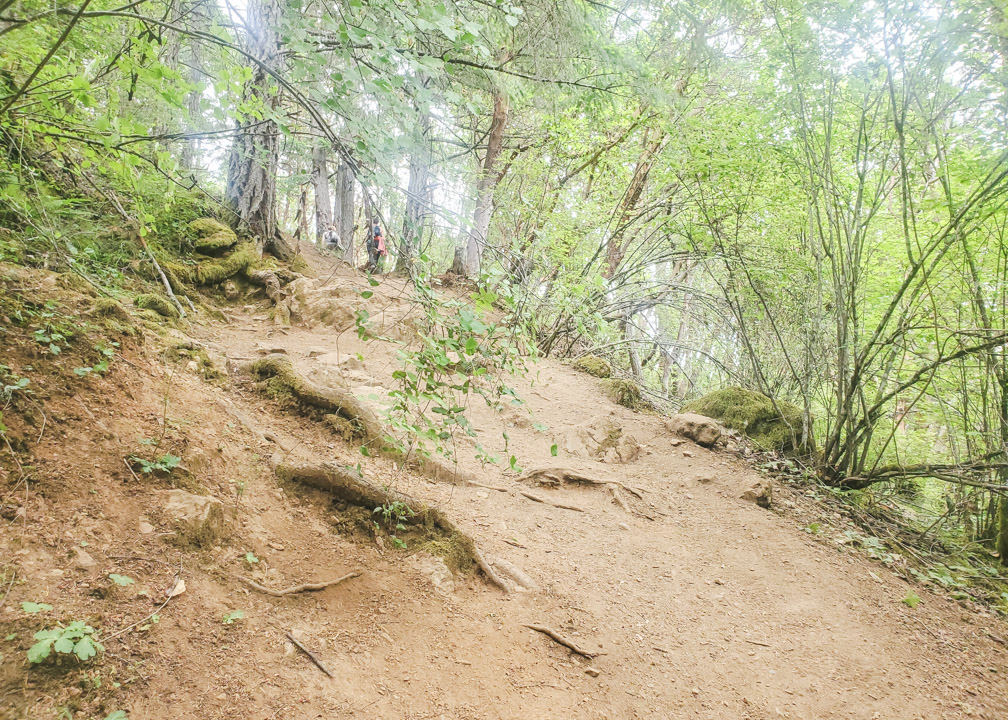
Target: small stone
231, 291
624, 526
593, 672
82, 560
192, 366
689, 496
718, 581
317, 350
704, 477
687, 453
760, 493
145, 527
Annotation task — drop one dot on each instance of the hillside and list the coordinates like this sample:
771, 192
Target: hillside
695, 601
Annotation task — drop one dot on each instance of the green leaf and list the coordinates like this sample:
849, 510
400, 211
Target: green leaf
64, 645
117, 715
233, 615
39, 651
121, 580
86, 648
250, 558
366, 294
33, 608
553, 450
911, 600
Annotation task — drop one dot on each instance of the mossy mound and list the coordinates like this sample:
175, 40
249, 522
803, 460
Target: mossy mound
110, 308
214, 236
593, 365
752, 413
626, 393
161, 305
212, 272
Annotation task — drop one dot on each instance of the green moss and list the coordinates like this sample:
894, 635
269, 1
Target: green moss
110, 308
213, 235
161, 305
212, 272
752, 413
626, 393
593, 365
300, 265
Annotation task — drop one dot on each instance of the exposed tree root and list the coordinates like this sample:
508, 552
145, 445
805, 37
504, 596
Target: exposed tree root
353, 419
561, 475
306, 587
269, 280
554, 635
618, 498
336, 400
514, 573
536, 498
346, 485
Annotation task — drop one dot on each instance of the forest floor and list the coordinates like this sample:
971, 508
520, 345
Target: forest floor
699, 603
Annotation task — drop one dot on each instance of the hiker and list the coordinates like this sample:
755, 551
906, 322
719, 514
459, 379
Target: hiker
330, 238
376, 249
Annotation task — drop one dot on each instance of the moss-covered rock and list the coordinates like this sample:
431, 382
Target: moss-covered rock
106, 307
161, 305
593, 365
212, 272
752, 413
626, 393
213, 235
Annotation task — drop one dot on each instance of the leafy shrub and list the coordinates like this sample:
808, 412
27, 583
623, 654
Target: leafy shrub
76, 638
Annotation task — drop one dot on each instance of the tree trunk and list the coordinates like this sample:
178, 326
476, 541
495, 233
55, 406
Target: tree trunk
320, 179
615, 248
417, 199
252, 164
343, 211
467, 260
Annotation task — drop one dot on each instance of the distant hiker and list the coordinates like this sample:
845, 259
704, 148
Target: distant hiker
376, 249
330, 238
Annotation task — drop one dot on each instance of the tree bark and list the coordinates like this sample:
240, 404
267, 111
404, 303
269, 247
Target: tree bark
320, 179
417, 199
343, 211
467, 259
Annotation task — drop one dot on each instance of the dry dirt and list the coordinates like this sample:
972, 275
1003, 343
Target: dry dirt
700, 603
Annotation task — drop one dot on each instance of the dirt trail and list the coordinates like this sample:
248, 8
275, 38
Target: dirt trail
703, 604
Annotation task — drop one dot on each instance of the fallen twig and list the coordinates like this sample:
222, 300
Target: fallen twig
549, 632
132, 471
757, 642
311, 656
305, 587
995, 638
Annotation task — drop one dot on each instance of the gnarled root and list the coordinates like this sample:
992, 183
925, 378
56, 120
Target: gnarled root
346, 485
269, 280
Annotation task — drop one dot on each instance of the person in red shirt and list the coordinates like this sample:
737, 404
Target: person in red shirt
376, 249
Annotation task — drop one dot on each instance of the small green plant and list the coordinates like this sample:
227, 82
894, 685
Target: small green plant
392, 515
911, 600
230, 618
101, 367
77, 638
164, 464
33, 608
121, 580
250, 558
813, 528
